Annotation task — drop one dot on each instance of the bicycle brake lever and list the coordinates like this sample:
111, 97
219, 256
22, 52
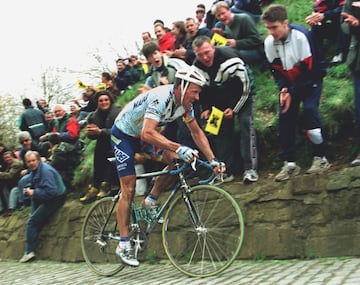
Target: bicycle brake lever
193, 164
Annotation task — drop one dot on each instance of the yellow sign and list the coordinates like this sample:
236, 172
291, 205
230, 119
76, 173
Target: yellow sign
101, 87
214, 122
218, 40
81, 85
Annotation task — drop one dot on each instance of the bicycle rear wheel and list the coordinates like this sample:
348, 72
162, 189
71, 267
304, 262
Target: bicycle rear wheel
211, 247
98, 245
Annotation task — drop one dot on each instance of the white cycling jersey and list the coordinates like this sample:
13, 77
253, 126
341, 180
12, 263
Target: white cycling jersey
157, 104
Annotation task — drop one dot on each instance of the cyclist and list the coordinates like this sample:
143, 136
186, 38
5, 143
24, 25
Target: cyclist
136, 129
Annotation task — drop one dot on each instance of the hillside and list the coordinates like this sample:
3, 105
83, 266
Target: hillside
336, 110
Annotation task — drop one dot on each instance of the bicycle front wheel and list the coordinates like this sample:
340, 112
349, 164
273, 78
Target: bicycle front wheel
99, 241
210, 246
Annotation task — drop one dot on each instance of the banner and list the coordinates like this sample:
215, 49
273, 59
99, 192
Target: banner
81, 85
214, 122
218, 40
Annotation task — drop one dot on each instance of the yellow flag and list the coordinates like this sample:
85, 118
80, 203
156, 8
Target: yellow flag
81, 85
218, 40
145, 67
101, 87
214, 122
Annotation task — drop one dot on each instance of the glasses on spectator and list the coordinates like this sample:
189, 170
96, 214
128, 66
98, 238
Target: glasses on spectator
25, 140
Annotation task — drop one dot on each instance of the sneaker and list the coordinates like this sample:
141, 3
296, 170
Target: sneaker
90, 195
102, 193
319, 165
127, 256
356, 161
27, 257
286, 172
224, 178
250, 175
103, 189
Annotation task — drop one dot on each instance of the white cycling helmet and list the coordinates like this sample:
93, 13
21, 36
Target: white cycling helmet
187, 76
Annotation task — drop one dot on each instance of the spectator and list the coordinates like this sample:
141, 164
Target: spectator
51, 126
179, 32
32, 120
47, 193
297, 72
89, 97
74, 111
8, 179
123, 78
66, 156
250, 7
351, 16
105, 79
165, 39
162, 70
146, 37
193, 31
17, 199
136, 69
200, 15
51, 123
230, 88
325, 25
26, 144
99, 129
2, 162
241, 33
42, 105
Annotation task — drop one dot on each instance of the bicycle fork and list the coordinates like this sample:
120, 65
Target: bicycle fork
193, 212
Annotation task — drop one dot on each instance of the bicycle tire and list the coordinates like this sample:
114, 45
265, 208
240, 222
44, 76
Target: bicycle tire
210, 249
101, 259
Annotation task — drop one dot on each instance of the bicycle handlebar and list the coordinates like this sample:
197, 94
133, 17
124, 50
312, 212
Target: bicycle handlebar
198, 162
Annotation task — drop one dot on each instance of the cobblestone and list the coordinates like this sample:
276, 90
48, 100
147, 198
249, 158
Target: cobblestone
329, 271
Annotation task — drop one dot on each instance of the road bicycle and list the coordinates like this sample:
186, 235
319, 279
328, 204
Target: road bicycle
202, 226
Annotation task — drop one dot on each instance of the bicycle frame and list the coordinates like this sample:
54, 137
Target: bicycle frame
140, 214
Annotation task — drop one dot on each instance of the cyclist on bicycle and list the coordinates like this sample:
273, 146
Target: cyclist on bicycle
136, 129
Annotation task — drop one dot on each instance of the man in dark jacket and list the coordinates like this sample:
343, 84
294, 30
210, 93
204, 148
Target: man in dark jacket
123, 78
65, 156
47, 192
32, 120
230, 88
9, 178
99, 127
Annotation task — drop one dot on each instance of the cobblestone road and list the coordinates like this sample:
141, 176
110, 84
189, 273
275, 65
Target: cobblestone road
331, 271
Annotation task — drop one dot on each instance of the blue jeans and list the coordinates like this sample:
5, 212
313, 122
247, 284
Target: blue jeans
310, 96
40, 213
23, 183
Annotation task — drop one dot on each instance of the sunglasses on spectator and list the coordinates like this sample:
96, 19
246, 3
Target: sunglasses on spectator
25, 140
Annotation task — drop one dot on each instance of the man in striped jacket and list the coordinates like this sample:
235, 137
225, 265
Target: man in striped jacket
229, 88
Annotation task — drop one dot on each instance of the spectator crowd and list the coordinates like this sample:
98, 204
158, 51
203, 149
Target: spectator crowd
224, 44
